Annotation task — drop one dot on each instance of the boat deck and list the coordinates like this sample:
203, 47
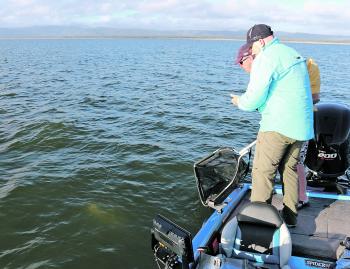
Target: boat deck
321, 227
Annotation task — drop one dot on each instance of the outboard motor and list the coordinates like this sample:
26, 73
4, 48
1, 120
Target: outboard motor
327, 155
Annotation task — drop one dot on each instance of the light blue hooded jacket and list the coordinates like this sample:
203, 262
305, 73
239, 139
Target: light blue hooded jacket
279, 88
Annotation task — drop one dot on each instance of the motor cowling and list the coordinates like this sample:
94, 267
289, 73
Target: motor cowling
328, 152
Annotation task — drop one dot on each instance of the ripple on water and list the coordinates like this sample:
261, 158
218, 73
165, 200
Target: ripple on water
8, 94
7, 188
45, 136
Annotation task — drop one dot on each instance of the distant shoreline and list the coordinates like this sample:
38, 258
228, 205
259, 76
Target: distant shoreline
209, 38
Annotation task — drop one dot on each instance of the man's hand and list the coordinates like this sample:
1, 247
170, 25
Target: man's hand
234, 99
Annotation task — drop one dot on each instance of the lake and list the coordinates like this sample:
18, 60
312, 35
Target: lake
98, 136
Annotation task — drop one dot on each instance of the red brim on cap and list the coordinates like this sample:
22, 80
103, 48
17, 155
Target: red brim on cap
244, 50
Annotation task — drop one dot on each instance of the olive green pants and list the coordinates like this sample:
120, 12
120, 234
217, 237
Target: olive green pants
273, 152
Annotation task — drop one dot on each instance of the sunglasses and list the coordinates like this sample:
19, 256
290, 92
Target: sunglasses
243, 59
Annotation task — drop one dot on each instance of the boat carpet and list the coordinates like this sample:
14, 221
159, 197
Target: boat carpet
320, 229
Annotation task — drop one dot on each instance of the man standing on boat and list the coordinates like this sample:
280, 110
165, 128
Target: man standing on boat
279, 88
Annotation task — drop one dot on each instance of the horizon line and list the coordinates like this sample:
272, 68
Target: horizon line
87, 27
209, 38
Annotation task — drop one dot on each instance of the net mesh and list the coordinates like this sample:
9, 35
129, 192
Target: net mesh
217, 171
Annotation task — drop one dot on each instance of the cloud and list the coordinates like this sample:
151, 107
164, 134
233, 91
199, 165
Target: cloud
312, 16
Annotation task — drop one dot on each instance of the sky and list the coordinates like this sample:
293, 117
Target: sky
330, 17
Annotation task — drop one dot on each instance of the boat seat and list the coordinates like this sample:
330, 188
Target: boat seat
257, 233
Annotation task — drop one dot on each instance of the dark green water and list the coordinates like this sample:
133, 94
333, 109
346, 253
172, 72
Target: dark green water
98, 136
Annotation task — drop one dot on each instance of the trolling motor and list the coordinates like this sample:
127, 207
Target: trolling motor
327, 156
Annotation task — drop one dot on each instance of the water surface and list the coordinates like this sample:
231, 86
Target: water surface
98, 136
